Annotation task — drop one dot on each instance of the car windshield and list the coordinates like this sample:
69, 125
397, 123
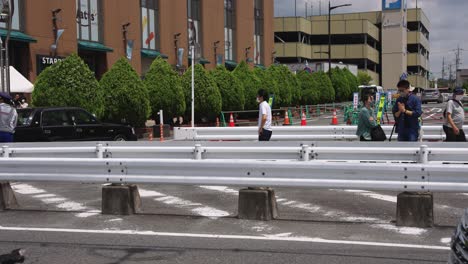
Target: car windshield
24, 117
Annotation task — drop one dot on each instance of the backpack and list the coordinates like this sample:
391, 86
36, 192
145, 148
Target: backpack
445, 111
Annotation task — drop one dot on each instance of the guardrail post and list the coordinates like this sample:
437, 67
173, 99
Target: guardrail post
197, 152
305, 153
423, 154
99, 151
5, 151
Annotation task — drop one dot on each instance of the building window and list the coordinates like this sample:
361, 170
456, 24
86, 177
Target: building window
194, 25
258, 35
150, 24
229, 29
88, 20
15, 20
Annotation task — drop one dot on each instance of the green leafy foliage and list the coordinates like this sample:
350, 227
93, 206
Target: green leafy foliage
340, 84
327, 93
364, 78
287, 85
465, 86
352, 82
126, 96
309, 86
251, 84
165, 89
231, 89
208, 101
68, 83
267, 83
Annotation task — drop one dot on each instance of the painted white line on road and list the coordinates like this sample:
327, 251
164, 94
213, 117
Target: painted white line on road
445, 240
197, 208
388, 198
266, 237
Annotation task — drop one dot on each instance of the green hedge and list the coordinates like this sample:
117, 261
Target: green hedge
231, 89
310, 89
126, 96
282, 76
327, 93
353, 84
165, 89
250, 82
340, 84
68, 83
364, 78
267, 83
208, 103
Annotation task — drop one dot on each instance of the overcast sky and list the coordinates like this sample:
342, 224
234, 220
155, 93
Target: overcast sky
449, 23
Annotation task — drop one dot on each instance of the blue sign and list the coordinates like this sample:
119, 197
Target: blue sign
391, 4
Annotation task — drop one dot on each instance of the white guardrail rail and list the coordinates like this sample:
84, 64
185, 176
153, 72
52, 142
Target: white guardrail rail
380, 166
294, 133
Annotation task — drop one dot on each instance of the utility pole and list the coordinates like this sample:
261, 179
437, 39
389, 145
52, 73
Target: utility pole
457, 62
320, 7
443, 67
450, 75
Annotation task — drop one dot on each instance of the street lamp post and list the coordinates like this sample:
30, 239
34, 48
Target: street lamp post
330, 8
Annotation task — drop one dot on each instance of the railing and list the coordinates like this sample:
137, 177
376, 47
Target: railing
399, 167
292, 133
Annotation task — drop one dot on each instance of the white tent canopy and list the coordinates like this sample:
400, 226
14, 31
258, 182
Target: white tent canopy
18, 83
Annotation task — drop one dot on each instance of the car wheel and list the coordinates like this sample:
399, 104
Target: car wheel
120, 138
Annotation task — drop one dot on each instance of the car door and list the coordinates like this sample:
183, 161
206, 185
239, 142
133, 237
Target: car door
56, 125
87, 127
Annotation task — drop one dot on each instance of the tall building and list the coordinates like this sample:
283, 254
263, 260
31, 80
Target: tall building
385, 44
102, 31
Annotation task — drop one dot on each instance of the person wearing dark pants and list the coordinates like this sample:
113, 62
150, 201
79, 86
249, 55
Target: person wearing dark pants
264, 116
454, 115
407, 111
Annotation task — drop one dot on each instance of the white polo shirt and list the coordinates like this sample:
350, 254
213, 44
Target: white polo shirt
265, 109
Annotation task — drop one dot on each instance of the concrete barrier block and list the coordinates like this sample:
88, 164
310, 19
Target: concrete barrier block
7, 197
257, 204
120, 199
415, 209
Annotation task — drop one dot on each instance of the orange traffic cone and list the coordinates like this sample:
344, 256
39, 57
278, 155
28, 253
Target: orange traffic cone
231, 121
286, 119
150, 134
334, 119
303, 119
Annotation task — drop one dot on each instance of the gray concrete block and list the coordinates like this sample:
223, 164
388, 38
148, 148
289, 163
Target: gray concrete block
415, 209
7, 197
257, 204
120, 199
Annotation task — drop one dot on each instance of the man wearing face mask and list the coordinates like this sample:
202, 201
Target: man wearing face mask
407, 111
264, 116
454, 118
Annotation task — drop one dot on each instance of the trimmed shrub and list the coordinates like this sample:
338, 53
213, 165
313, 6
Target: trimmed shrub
126, 96
250, 83
364, 78
285, 81
232, 92
327, 93
207, 96
340, 84
165, 89
352, 82
267, 83
309, 86
68, 83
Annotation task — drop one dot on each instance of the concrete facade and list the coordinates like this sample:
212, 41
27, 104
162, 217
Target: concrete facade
105, 26
382, 43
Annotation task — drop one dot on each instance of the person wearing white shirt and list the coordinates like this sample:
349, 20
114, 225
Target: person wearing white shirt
264, 116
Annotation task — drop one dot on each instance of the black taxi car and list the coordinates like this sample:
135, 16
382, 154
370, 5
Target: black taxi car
67, 124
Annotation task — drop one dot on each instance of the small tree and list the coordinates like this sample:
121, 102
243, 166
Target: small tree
286, 82
352, 82
340, 84
250, 83
310, 91
268, 84
208, 102
232, 92
68, 83
327, 93
126, 96
165, 89
364, 78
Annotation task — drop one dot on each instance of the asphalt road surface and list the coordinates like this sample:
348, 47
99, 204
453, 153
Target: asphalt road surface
61, 223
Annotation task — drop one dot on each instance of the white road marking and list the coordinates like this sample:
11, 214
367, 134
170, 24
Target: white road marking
266, 237
388, 198
339, 215
445, 240
197, 208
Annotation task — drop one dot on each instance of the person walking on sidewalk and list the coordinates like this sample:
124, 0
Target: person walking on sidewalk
454, 115
407, 111
264, 116
366, 119
8, 118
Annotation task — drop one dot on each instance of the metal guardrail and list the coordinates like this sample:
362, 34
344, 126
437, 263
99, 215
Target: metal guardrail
428, 168
292, 133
